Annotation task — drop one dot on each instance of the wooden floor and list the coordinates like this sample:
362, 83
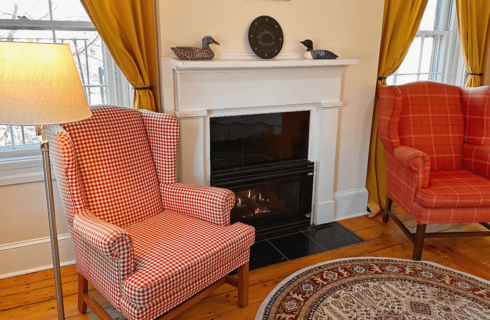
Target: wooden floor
32, 296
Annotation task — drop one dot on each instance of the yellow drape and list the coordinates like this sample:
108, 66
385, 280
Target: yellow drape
400, 23
128, 29
474, 33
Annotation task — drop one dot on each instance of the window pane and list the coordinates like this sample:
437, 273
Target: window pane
87, 48
45, 36
411, 62
89, 57
402, 79
5, 138
25, 10
99, 95
424, 77
438, 55
30, 135
429, 18
25, 135
427, 54
69, 10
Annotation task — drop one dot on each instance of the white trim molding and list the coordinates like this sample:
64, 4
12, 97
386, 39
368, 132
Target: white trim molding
350, 203
21, 170
33, 255
331, 104
196, 114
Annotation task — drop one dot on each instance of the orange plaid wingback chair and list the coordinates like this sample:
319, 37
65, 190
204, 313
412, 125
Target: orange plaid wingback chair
144, 241
437, 145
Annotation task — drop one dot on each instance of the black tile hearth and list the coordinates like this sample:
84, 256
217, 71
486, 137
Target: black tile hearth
332, 236
263, 254
293, 244
296, 245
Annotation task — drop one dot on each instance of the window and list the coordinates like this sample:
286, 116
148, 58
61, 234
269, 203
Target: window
435, 53
60, 21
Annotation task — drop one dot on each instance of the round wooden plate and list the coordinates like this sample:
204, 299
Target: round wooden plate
265, 37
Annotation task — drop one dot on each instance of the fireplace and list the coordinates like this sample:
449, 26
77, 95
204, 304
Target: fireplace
202, 94
263, 159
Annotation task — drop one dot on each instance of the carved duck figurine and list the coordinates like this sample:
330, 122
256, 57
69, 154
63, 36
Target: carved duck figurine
193, 53
317, 54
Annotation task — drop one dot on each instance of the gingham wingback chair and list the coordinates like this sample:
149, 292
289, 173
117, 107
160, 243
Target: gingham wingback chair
145, 242
437, 145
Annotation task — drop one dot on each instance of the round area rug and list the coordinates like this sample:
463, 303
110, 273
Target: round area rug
378, 289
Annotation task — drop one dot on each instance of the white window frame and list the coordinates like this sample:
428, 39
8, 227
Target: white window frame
24, 164
453, 71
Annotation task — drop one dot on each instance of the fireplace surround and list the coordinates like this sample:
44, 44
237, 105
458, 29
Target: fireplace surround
197, 92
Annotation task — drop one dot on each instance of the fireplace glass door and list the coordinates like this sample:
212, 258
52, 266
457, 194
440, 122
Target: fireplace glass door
268, 203
263, 159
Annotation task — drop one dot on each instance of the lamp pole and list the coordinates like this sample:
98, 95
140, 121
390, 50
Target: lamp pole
52, 222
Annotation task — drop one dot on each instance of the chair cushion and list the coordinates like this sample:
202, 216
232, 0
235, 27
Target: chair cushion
174, 251
116, 167
432, 121
424, 215
455, 189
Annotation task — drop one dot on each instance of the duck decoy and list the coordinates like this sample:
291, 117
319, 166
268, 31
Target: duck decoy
317, 54
193, 53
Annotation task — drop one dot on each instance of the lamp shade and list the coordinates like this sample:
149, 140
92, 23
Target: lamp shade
39, 85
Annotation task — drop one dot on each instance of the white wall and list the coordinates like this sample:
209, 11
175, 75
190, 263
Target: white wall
349, 27
24, 229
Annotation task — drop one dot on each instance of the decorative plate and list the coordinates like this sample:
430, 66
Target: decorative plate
265, 37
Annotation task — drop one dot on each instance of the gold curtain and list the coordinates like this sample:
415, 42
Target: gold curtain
128, 29
401, 21
474, 34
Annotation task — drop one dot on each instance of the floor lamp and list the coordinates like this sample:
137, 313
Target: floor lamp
40, 85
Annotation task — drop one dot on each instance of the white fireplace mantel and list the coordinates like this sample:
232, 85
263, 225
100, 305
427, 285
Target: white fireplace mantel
195, 91
260, 64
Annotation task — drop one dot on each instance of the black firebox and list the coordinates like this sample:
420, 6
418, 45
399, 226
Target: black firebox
262, 158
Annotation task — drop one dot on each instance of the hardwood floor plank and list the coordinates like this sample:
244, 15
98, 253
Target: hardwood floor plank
226, 302
36, 295
35, 277
359, 223
35, 285
463, 261
32, 296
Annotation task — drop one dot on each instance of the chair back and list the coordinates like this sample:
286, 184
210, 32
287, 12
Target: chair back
432, 121
116, 168
476, 108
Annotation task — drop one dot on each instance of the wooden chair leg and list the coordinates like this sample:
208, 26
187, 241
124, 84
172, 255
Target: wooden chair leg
82, 289
419, 242
243, 285
386, 213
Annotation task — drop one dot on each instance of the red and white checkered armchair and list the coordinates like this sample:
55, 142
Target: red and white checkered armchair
144, 241
437, 145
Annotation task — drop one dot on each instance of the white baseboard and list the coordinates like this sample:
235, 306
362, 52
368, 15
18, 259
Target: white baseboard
33, 255
325, 212
350, 203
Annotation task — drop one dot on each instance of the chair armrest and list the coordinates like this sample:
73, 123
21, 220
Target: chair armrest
112, 241
206, 203
477, 159
416, 161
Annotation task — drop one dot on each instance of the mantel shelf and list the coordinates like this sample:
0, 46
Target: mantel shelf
255, 63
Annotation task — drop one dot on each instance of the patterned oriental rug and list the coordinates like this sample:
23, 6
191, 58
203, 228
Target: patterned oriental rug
378, 289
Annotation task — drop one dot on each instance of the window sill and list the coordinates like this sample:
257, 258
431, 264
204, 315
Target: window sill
23, 169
